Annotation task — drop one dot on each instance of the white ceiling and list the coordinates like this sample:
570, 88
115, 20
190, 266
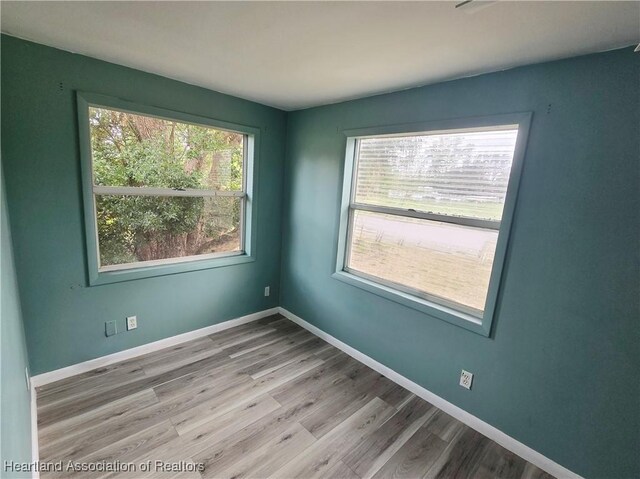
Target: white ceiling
294, 55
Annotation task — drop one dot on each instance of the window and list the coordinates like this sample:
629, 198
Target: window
424, 215
162, 188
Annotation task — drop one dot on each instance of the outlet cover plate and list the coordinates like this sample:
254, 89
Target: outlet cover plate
110, 328
132, 322
466, 379
267, 290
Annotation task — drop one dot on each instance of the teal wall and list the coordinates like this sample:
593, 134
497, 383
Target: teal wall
560, 372
15, 420
64, 317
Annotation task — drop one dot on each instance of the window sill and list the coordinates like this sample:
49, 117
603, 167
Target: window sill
435, 310
97, 278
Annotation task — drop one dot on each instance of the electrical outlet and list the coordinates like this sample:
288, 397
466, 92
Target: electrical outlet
26, 376
267, 290
466, 378
132, 322
110, 328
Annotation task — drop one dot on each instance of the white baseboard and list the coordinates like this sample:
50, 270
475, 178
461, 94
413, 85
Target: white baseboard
58, 374
35, 454
470, 420
463, 416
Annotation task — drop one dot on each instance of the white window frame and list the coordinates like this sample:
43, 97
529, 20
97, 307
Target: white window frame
99, 274
469, 318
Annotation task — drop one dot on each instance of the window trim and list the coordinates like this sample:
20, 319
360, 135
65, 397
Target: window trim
402, 295
98, 275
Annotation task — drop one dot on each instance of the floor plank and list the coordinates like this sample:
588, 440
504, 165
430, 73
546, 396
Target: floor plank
218, 428
414, 458
222, 402
265, 460
444, 426
320, 457
371, 454
131, 447
71, 427
263, 399
498, 463
461, 456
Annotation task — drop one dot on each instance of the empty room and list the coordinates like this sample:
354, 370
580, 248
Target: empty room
337, 240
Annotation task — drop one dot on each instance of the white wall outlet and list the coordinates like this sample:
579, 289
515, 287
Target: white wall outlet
466, 378
267, 290
26, 376
132, 322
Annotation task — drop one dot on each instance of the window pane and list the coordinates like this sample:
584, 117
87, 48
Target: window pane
146, 228
461, 174
138, 150
448, 261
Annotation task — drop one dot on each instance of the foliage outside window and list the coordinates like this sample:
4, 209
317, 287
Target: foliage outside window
164, 190
425, 212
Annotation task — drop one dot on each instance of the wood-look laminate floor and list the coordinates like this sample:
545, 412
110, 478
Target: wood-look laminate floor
265, 399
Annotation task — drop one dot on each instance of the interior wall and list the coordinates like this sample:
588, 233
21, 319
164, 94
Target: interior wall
560, 371
15, 424
64, 317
